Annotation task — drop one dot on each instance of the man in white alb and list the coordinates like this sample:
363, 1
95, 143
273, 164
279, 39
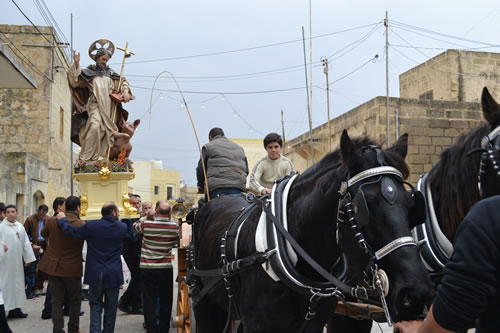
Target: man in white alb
13, 234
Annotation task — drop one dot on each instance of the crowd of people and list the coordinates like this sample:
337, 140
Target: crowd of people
63, 264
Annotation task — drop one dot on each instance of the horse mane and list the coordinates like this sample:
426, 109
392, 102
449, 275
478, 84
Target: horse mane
330, 171
331, 160
453, 180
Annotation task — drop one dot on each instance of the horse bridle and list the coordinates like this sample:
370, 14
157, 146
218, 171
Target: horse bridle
350, 207
487, 145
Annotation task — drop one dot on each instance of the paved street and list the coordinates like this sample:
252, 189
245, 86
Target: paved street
34, 324
124, 323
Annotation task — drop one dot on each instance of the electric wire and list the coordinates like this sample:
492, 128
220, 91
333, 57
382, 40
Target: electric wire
284, 69
251, 48
31, 22
236, 113
355, 70
430, 37
251, 75
49, 18
12, 46
356, 43
51, 43
260, 91
412, 27
433, 60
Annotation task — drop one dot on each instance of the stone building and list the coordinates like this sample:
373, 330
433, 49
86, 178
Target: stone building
154, 183
439, 101
35, 122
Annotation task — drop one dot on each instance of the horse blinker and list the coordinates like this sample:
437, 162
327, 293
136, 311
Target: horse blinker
361, 210
417, 213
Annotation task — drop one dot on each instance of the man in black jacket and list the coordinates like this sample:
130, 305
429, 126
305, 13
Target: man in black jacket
470, 288
131, 300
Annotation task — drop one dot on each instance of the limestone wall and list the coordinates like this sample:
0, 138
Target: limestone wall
453, 76
24, 177
431, 126
37, 121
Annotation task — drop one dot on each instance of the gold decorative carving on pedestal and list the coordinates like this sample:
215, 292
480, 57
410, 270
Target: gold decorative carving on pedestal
129, 209
104, 173
84, 204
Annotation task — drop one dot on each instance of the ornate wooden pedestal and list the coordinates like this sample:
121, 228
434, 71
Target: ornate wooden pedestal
100, 187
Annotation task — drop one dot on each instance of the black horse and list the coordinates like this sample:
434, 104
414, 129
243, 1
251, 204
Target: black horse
373, 235
466, 172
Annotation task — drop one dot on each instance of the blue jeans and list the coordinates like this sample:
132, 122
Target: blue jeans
224, 191
29, 278
99, 298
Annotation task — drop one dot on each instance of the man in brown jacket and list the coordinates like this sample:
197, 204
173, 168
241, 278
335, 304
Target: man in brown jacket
34, 225
63, 263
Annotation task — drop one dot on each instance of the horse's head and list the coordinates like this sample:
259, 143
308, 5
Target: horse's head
376, 215
489, 171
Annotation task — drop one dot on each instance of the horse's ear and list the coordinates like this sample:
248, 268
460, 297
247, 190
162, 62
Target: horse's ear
491, 110
401, 146
137, 122
350, 154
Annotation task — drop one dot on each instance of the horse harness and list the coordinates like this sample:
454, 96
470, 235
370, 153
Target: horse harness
434, 247
353, 212
488, 146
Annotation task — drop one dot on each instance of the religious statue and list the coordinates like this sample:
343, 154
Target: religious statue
98, 93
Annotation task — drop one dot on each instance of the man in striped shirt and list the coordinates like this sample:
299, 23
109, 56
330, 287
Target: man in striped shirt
160, 236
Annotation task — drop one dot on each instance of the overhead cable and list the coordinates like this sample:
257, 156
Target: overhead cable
31, 22
250, 48
408, 26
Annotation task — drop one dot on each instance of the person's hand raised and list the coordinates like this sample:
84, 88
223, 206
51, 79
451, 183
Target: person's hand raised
76, 57
126, 96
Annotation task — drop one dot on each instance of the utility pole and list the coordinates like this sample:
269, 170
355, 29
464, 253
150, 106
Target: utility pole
386, 23
307, 92
283, 131
325, 70
71, 143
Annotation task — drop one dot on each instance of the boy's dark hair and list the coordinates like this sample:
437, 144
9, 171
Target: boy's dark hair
72, 203
215, 131
43, 208
10, 206
57, 202
2, 207
273, 137
108, 210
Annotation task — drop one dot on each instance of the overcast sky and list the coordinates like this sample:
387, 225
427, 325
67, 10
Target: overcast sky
240, 63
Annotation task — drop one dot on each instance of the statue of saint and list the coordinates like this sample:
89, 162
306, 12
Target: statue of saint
92, 124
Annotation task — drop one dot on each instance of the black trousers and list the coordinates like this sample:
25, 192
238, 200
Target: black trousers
62, 288
4, 326
133, 295
47, 305
157, 290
